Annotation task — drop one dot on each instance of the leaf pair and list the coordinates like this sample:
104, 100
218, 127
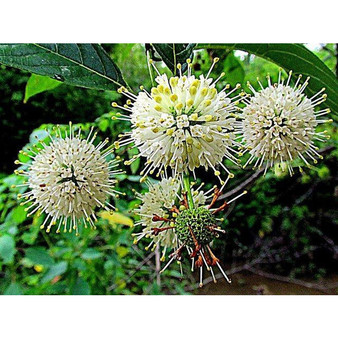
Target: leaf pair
89, 66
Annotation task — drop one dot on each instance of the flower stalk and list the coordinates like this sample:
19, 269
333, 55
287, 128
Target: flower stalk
187, 188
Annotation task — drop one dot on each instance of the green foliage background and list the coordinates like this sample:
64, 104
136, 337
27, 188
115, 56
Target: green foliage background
291, 222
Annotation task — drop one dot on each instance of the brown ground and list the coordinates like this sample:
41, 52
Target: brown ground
247, 283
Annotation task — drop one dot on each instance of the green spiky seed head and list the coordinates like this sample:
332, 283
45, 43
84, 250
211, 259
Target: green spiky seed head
199, 220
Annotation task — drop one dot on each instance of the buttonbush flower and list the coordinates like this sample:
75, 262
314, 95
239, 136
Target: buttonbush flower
67, 179
279, 124
159, 200
183, 123
179, 219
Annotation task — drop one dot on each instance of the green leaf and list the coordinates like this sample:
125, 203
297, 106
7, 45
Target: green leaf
37, 84
7, 248
91, 254
122, 251
39, 256
175, 53
54, 271
84, 65
36, 135
30, 236
103, 124
135, 166
81, 287
136, 163
234, 71
14, 289
18, 215
297, 58
323, 172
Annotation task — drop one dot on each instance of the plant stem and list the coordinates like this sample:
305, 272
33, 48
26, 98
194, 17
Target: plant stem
150, 69
46, 238
186, 184
158, 265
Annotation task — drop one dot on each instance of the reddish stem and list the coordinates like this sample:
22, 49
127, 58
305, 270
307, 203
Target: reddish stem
222, 207
157, 218
156, 231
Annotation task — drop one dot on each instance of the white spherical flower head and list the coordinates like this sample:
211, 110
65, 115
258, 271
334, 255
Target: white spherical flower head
279, 124
183, 123
158, 204
68, 179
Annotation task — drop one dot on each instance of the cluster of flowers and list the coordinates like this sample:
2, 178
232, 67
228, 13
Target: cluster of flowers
182, 124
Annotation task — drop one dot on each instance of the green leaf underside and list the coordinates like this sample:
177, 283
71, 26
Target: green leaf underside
297, 58
7, 248
175, 53
91, 254
38, 84
83, 65
54, 271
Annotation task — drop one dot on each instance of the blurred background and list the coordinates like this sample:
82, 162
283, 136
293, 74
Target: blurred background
281, 237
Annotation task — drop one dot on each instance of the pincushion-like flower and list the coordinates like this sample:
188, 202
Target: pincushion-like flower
159, 201
183, 123
279, 124
68, 178
178, 218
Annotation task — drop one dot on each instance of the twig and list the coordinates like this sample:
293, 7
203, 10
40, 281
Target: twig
243, 185
145, 261
327, 149
157, 265
257, 174
140, 253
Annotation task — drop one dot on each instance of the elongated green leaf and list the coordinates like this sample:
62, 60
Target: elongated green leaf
54, 271
7, 248
83, 65
14, 289
37, 84
39, 256
297, 58
81, 287
174, 53
91, 253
